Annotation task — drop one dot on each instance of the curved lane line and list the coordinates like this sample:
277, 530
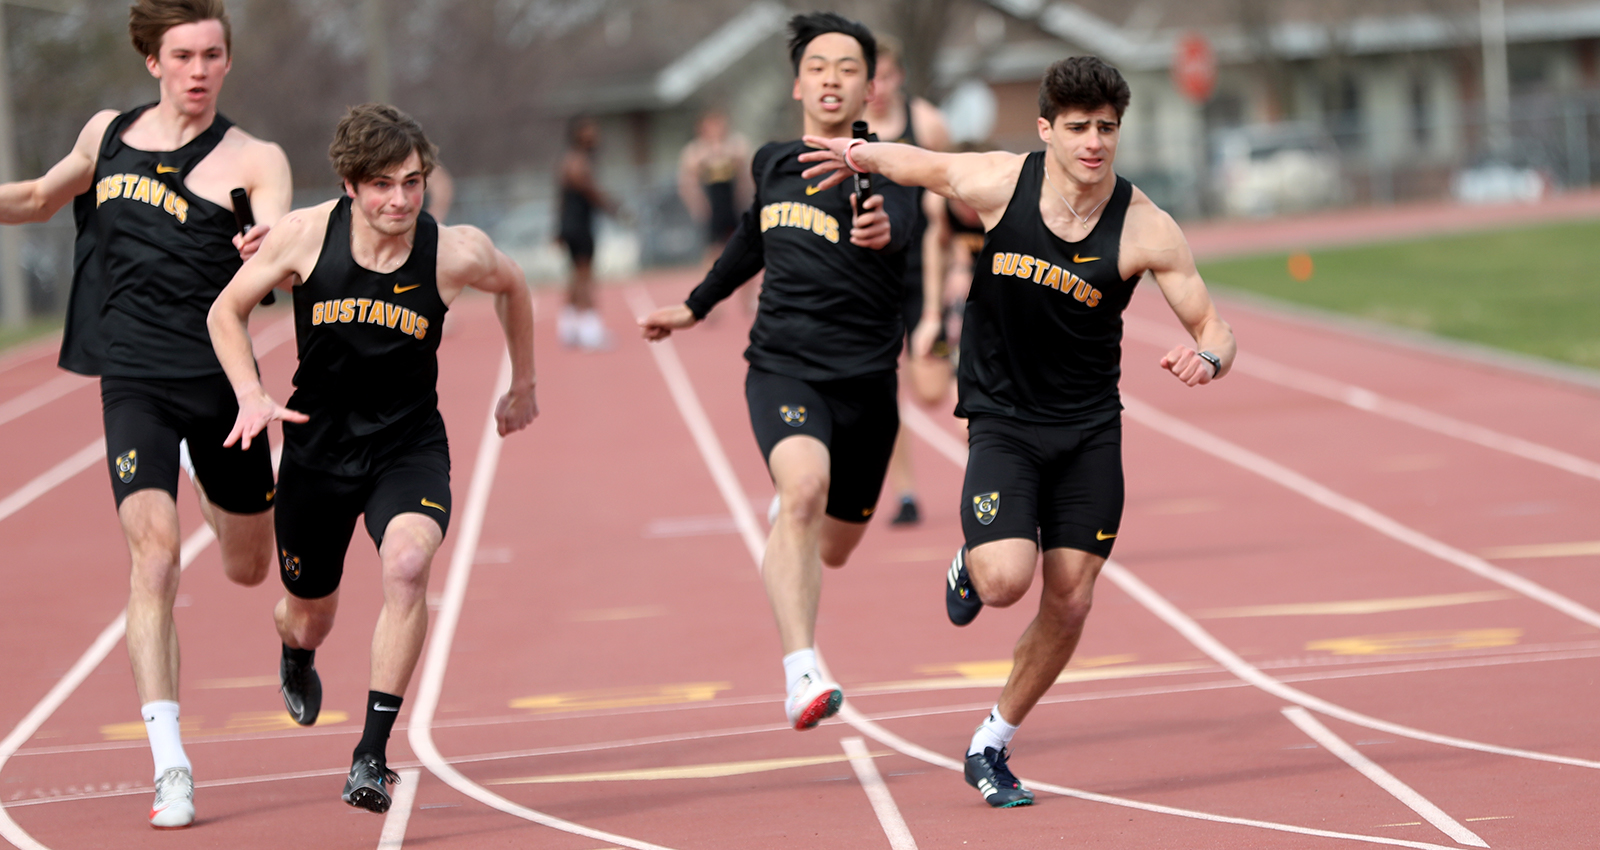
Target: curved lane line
420, 733
1371, 402
688, 404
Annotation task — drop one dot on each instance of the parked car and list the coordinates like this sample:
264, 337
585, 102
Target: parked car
1267, 169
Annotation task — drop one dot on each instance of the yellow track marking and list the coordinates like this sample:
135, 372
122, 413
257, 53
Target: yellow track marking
693, 771
1356, 606
245, 682
1545, 550
243, 723
623, 697
992, 674
1394, 644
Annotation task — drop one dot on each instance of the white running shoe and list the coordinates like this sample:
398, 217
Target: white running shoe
174, 805
567, 326
592, 334
813, 701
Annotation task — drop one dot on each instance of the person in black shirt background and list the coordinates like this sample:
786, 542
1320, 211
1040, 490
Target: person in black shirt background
1041, 346
157, 240
824, 346
579, 324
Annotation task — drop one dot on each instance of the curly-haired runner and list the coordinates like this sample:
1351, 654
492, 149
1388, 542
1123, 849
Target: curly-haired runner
373, 277
156, 243
1041, 351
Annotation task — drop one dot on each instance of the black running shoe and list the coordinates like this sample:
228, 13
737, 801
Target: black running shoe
367, 787
302, 691
909, 515
988, 773
960, 598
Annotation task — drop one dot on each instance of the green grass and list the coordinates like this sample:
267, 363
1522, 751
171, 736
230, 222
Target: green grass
32, 330
1534, 291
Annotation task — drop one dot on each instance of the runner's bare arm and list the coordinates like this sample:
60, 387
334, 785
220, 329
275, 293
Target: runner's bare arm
282, 256
271, 191
468, 258
1154, 242
983, 181
38, 200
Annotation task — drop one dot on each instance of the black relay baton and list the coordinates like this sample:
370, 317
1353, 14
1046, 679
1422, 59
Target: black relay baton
863, 180
246, 218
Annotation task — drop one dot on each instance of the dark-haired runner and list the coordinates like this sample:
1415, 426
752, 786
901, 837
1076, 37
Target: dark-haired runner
156, 243
824, 346
373, 276
1041, 348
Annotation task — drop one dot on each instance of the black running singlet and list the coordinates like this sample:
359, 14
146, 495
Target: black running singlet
149, 259
369, 343
1041, 339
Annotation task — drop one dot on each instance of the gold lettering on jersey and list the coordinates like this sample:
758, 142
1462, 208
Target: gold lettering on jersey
144, 189
1044, 273
802, 216
369, 311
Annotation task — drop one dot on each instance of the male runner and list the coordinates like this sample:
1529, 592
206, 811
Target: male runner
579, 323
373, 276
914, 121
1041, 347
821, 386
156, 243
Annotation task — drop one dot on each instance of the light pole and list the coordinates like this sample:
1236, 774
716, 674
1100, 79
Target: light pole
13, 287
1496, 76
377, 32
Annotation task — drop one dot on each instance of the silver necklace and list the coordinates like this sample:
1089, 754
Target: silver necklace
1082, 219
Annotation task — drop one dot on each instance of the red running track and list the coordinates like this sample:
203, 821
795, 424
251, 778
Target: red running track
1353, 604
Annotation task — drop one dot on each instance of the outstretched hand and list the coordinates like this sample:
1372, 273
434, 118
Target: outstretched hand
255, 411
829, 159
660, 324
1188, 366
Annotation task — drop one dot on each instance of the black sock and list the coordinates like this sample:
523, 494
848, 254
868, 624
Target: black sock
301, 658
382, 709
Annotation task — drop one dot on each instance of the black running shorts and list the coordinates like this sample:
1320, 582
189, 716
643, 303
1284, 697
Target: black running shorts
146, 418
1056, 485
317, 512
580, 246
856, 418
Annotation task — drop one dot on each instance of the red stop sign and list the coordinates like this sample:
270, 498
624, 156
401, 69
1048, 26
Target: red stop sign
1194, 67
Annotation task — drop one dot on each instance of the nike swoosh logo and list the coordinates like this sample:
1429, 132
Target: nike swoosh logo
1101, 535
399, 289
1078, 259
376, 707
167, 169
812, 190
428, 504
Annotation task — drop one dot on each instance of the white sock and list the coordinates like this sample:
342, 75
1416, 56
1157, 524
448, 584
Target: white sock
161, 726
994, 734
798, 663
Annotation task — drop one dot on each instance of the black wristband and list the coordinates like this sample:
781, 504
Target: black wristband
1216, 363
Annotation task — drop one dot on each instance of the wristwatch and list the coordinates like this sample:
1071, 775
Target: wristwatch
1216, 364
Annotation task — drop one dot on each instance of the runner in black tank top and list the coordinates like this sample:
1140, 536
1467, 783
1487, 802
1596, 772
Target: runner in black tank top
150, 193
1041, 350
374, 277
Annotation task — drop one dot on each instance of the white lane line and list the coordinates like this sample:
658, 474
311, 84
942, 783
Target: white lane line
688, 404
1192, 631
1382, 778
420, 733
878, 795
91, 658
1371, 402
1183, 432
53, 477
42, 395
394, 823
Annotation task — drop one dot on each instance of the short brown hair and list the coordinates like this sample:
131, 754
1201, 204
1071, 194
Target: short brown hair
375, 137
1081, 82
149, 20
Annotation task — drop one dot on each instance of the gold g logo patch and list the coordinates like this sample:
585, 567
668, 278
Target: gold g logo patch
291, 564
795, 416
128, 465
985, 506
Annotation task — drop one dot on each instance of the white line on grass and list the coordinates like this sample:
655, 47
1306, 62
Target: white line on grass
1382, 778
878, 795
420, 734
1371, 402
689, 407
394, 823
